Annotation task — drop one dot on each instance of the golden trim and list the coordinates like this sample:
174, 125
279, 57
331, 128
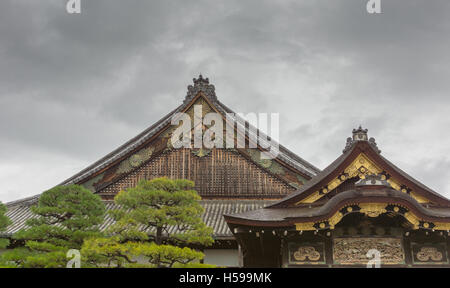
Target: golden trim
308, 226
441, 226
361, 167
394, 184
371, 210
413, 219
336, 218
419, 198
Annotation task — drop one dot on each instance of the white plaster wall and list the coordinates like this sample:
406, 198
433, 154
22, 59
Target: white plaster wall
222, 257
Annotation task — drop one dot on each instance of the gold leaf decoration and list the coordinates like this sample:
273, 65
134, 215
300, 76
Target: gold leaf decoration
135, 160
360, 167
306, 252
90, 183
201, 152
429, 253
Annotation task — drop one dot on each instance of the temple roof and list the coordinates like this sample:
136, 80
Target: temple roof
201, 86
19, 211
291, 215
355, 147
358, 180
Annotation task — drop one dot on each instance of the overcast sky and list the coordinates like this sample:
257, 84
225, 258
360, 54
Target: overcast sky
74, 87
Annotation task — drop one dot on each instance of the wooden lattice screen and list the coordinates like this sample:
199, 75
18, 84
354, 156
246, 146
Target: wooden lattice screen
221, 173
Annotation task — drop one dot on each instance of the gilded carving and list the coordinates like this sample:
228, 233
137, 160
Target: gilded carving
352, 251
413, 219
373, 209
201, 152
135, 160
124, 167
308, 226
429, 253
419, 198
336, 218
360, 167
269, 164
90, 183
266, 163
306, 253
441, 226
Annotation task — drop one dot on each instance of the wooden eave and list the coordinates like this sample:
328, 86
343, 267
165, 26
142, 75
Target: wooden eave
282, 217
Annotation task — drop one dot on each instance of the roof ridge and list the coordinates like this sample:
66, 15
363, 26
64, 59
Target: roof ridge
28, 200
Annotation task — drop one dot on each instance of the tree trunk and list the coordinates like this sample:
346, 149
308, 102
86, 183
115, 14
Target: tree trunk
158, 241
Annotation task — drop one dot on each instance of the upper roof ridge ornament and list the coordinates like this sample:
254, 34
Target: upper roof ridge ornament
201, 85
360, 134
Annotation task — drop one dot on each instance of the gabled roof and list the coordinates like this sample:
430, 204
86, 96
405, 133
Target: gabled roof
201, 85
201, 88
382, 188
399, 179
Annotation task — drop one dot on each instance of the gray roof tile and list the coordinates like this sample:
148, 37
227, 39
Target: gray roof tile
213, 215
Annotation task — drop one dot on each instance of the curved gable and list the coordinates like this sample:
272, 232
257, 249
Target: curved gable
361, 158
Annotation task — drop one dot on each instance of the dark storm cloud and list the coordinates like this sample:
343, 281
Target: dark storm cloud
74, 87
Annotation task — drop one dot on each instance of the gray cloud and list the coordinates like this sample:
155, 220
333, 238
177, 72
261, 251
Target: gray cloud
74, 87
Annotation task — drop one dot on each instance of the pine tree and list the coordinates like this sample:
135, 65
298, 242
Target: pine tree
64, 217
159, 220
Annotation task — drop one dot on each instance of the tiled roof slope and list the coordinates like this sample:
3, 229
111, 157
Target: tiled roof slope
213, 215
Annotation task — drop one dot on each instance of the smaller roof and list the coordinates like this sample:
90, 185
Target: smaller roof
381, 185
361, 144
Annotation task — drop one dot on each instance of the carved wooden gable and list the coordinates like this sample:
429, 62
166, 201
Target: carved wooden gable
361, 167
216, 173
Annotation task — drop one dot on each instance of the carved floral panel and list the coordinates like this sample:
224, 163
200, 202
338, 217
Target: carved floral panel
353, 251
